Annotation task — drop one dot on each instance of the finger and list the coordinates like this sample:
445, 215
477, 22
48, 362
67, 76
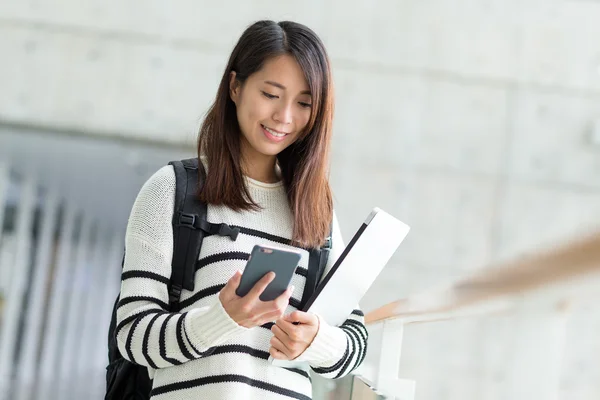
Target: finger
282, 336
233, 283
287, 327
301, 317
279, 346
261, 285
285, 296
277, 354
277, 306
270, 316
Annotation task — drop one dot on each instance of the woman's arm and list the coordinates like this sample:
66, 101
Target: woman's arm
147, 333
332, 352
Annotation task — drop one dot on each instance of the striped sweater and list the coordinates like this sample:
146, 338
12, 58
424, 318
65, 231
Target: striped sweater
200, 352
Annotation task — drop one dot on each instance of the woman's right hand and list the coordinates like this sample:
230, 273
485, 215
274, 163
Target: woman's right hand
249, 311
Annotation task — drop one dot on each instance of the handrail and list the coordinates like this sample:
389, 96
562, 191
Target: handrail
502, 285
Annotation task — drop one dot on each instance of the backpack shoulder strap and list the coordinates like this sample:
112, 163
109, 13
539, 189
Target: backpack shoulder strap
324, 254
187, 238
316, 265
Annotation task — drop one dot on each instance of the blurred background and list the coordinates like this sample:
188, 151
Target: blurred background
476, 122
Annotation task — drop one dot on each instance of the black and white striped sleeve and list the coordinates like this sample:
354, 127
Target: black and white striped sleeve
147, 334
337, 351
356, 348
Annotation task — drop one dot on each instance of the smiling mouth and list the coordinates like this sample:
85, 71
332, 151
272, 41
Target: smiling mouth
274, 132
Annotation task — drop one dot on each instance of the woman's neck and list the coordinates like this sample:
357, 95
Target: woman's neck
261, 168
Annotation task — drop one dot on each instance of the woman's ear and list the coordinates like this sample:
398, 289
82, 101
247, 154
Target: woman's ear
234, 87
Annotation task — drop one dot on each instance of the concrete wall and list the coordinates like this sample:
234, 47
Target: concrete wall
469, 119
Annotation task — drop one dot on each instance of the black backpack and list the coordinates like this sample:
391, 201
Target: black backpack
128, 381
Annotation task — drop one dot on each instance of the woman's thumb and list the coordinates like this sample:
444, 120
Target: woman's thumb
235, 279
232, 284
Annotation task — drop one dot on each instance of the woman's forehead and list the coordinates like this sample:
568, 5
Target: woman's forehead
283, 72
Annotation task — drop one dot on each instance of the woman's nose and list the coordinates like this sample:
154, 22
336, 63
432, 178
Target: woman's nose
283, 114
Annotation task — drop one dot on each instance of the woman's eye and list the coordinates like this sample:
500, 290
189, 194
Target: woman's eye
305, 105
269, 95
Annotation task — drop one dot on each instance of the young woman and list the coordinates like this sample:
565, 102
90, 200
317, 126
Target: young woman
265, 147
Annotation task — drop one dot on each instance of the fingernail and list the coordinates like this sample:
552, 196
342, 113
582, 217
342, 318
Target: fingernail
292, 288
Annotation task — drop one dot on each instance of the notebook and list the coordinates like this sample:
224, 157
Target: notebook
353, 273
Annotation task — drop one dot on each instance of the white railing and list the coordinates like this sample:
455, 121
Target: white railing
536, 289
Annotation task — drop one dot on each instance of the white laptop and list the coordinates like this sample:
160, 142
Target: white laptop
356, 269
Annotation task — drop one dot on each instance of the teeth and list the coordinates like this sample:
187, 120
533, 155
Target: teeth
272, 132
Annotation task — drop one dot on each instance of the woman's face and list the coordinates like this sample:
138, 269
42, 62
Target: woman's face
273, 107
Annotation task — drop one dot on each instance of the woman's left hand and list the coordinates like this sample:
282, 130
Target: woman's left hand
291, 340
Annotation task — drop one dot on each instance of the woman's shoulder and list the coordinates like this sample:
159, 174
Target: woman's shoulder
158, 189
149, 224
162, 180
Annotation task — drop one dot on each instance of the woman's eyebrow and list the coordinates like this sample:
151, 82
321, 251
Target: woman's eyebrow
280, 86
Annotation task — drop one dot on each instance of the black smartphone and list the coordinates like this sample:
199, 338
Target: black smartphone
263, 260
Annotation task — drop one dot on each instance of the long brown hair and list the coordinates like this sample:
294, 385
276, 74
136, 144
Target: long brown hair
304, 164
